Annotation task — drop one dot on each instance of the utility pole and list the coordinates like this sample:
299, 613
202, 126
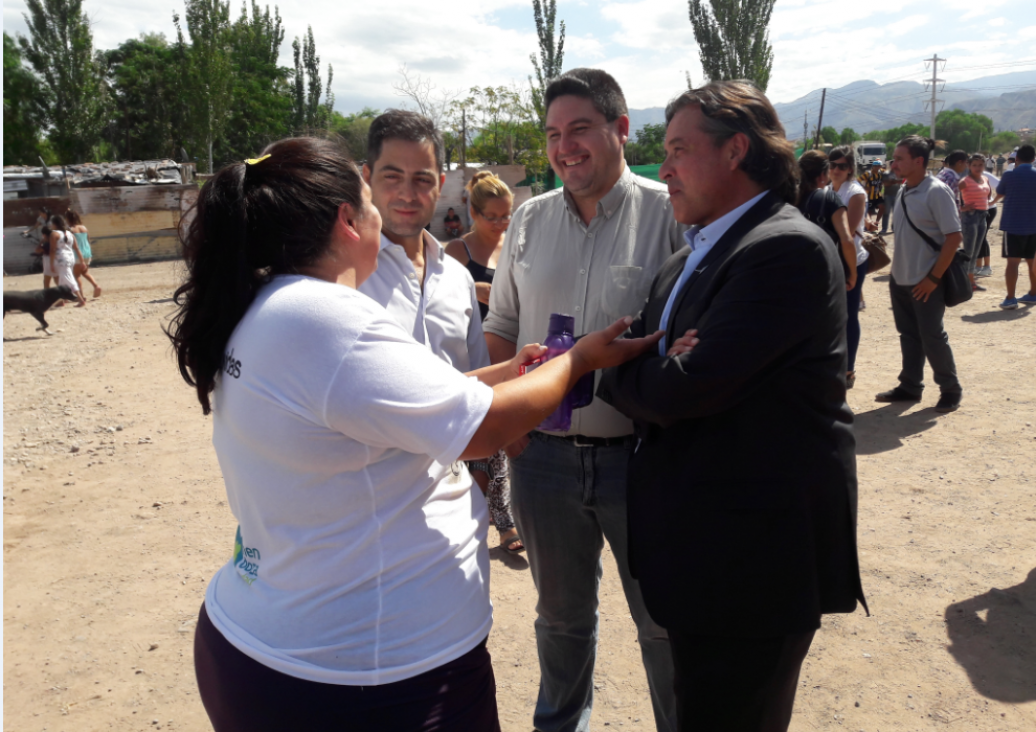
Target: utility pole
805, 130
935, 81
820, 122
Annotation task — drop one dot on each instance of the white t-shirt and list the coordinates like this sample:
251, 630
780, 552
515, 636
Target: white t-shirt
361, 556
849, 189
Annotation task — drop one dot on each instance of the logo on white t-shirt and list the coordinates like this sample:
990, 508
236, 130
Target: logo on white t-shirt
231, 366
246, 559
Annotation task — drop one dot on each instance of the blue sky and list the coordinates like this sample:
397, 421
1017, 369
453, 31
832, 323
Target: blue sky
646, 44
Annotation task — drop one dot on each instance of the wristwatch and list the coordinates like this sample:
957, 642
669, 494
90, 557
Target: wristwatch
933, 278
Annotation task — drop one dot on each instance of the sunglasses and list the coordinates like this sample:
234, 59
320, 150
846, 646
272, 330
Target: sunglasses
841, 166
493, 219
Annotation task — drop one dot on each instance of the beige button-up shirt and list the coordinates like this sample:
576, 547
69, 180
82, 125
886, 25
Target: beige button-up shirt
554, 263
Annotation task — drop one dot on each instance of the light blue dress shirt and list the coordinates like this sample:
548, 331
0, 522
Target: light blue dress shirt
700, 239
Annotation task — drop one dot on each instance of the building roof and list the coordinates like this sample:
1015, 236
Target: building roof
129, 173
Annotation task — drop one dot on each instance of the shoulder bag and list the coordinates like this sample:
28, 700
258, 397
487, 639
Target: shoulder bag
878, 251
955, 281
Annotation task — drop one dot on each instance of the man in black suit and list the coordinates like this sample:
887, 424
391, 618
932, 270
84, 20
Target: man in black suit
742, 492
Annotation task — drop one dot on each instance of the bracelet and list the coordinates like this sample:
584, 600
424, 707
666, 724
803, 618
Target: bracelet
933, 278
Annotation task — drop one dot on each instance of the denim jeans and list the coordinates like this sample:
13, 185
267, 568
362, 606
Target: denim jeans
921, 336
566, 501
852, 321
973, 228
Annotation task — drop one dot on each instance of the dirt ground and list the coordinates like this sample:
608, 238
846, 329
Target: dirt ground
115, 518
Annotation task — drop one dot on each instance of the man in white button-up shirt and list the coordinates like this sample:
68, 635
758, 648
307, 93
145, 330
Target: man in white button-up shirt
590, 251
429, 293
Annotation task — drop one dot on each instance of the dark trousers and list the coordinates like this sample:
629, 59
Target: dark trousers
983, 251
852, 322
890, 206
922, 336
242, 695
726, 684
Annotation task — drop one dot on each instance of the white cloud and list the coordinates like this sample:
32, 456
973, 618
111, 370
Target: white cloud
645, 44
907, 25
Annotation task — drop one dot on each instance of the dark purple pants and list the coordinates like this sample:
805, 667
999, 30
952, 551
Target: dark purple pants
242, 695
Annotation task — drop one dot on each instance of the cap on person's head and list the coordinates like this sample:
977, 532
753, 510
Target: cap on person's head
875, 162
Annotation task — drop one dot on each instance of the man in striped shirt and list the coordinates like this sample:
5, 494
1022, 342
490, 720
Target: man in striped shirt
871, 180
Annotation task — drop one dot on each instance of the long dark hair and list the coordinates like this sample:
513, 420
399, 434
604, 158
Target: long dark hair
812, 165
253, 220
729, 107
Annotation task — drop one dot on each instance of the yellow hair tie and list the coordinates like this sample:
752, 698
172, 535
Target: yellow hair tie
256, 161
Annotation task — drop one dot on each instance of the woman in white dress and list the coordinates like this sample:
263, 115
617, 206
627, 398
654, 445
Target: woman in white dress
64, 251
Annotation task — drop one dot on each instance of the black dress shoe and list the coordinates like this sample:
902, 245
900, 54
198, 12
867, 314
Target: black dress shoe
948, 403
899, 394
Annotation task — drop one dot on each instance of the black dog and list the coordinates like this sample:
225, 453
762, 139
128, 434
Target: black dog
37, 302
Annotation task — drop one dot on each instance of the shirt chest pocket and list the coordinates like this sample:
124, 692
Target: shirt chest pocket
625, 290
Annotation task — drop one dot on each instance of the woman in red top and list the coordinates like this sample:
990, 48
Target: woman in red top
974, 191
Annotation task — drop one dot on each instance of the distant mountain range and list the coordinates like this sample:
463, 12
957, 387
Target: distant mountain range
1008, 99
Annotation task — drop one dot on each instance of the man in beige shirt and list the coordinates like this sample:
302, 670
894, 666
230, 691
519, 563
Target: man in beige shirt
590, 250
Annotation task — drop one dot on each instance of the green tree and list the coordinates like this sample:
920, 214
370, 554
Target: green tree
143, 92
648, 147
505, 128
552, 53
962, 130
549, 65
848, 136
309, 113
207, 70
829, 135
60, 50
23, 113
998, 143
261, 102
353, 129
734, 39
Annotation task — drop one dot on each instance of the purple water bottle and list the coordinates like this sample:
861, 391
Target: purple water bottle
559, 340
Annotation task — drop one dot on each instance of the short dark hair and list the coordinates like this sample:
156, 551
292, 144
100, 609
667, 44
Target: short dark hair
977, 157
844, 152
918, 146
593, 84
1026, 154
730, 107
957, 156
402, 124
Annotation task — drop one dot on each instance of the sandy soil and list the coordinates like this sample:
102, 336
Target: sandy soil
115, 518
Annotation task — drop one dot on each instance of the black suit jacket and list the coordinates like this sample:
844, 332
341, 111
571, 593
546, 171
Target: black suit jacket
742, 493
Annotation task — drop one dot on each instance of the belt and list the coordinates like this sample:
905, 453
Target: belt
584, 441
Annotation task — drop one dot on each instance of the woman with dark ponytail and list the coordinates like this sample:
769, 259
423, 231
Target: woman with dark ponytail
357, 596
